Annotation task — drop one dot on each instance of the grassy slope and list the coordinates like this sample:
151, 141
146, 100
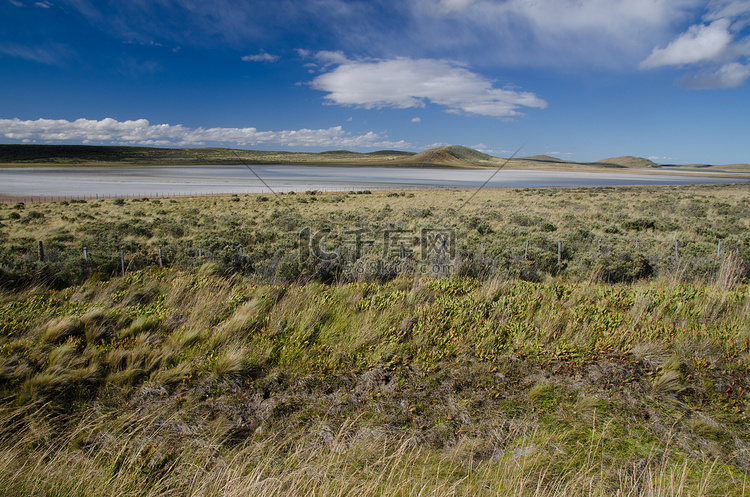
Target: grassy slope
169, 380
193, 380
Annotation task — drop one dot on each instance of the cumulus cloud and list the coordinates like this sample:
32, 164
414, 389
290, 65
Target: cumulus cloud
261, 57
416, 120
141, 132
714, 49
700, 43
404, 83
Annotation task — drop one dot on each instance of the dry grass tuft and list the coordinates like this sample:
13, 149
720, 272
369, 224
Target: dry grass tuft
669, 383
230, 363
731, 272
59, 329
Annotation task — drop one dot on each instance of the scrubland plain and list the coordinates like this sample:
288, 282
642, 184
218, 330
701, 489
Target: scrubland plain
576, 342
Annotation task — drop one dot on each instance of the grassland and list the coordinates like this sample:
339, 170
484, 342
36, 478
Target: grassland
244, 366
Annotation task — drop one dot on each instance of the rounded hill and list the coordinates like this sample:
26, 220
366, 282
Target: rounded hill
453, 155
629, 161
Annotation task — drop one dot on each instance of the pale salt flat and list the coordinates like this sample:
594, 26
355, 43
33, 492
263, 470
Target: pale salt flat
129, 181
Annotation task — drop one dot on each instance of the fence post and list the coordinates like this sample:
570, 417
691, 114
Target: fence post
526, 252
41, 251
160, 264
122, 261
559, 251
677, 249
718, 250
85, 255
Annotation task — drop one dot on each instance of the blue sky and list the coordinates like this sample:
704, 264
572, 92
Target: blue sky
577, 79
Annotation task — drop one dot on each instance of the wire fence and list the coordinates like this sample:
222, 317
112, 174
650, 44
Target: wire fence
314, 259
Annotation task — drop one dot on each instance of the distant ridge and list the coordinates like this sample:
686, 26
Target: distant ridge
542, 158
26, 155
128, 155
629, 161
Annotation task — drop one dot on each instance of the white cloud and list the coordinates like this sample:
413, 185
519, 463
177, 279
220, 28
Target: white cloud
700, 43
549, 32
416, 120
738, 10
660, 160
491, 151
327, 57
732, 75
43, 5
261, 57
16, 3
714, 49
141, 132
404, 83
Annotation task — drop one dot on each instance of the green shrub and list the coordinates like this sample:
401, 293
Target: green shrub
623, 267
638, 224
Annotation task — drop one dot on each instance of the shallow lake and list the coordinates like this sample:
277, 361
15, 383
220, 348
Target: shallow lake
152, 181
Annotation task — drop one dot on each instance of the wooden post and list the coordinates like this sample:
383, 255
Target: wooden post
526, 252
676, 249
559, 251
718, 250
41, 251
160, 263
85, 255
122, 261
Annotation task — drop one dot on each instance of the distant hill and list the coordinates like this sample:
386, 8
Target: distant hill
453, 155
542, 158
629, 161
